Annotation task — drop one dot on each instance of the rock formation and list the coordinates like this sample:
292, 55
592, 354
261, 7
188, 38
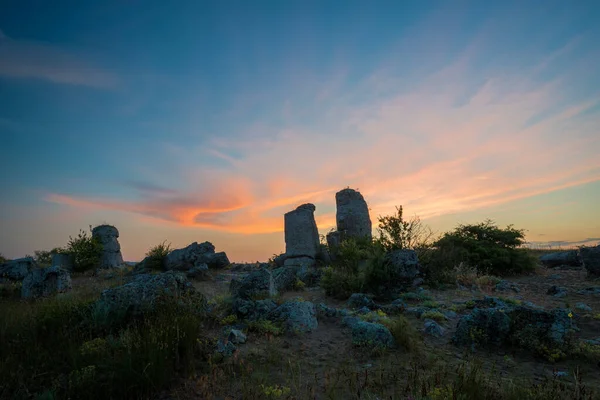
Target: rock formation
195, 256
111, 256
41, 282
301, 235
352, 215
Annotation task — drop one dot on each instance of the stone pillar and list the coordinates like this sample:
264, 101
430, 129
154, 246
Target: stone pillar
301, 233
107, 235
352, 215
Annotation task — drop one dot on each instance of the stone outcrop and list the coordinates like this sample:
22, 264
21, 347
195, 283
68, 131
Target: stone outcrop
561, 259
195, 255
43, 282
352, 215
145, 292
301, 234
297, 316
590, 258
16, 270
108, 236
494, 322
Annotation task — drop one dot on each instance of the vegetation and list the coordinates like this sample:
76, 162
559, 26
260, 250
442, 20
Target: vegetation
58, 349
86, 251
44, 257
155, 257
397, 233
487, 248
2, 259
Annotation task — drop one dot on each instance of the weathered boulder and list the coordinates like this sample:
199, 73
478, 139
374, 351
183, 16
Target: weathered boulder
527, 327
404, 264
198, 272
301, 233
432, 328
352, 214
108, 236
43, 282
17, 270
369, 333
145, 292
63, 260
258, 283
590, 258
253, 309
563, 259
236, 336
297, 316
195, 255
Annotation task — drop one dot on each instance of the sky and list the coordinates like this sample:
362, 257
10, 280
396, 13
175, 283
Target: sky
208, 120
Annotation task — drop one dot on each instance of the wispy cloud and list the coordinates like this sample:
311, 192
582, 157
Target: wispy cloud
39, 60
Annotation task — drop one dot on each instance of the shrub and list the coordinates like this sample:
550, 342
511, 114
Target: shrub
397, 233
2, 259
403, 332
86, 251
265, 327
155, 257
341, 284
44, 257
434, 315
489, 249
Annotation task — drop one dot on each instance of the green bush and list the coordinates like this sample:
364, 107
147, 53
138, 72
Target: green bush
155, 257
341, 284
86, 251
491, 250
404, 333
2, 259
44, 257
397, 233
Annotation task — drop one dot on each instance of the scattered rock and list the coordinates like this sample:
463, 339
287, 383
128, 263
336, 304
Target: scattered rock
583, 307
590, 257
506, 286
326, 311
555, 276
226, 348
359, 300
561, 259
195, 255
301, 233
108, 236
557, 291
236, 336
42, 282
432, 328
334, 240
297, 316
17, 270
144, 293
395, 307
253, 310
369, 333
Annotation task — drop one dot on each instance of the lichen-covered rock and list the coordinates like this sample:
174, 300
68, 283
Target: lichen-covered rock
297, 316
352, 214
395, 307
253, 310
432, 328
526, 327
323, 310
583, 307
334, 240
359, 300
226, 348
17, 270
370, 334
108, 236
404, 265
301, 233
563, 259
42, 282
195, 255
590, 258
145, 292
236, 336
595, 290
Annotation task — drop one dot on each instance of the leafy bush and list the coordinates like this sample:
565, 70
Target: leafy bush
86, 251
341, 284
489, 249
265, 327
396, 233
44, 257
155, 257
434, 315
404, 333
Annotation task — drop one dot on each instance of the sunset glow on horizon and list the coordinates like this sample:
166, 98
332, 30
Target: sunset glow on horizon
208, 123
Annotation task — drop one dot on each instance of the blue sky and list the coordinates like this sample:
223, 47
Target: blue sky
208, 120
